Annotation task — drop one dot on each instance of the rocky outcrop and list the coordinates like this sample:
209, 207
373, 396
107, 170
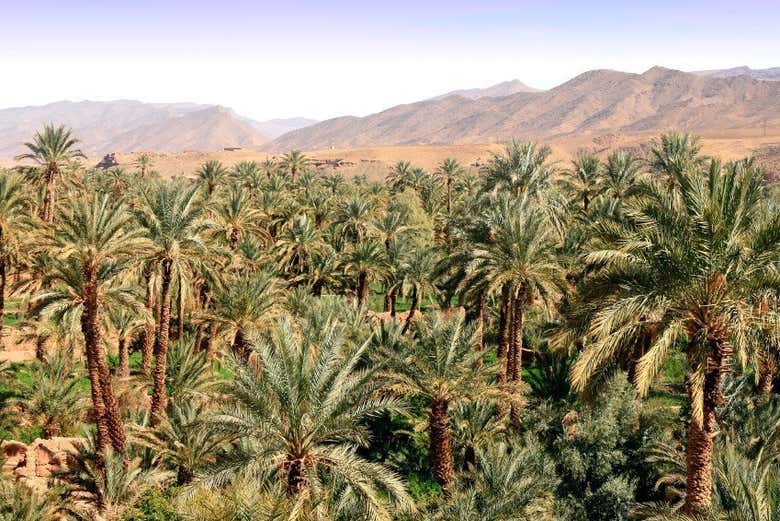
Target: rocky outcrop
35, 463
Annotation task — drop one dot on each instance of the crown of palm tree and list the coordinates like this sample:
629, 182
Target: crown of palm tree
521, 168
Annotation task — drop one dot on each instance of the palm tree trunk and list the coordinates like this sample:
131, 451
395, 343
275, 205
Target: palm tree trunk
3, 281
393, 302
503, 333
440, 444
449, 196
362, 289
159, 393
698, 452
148, 345
47, 211
412, 310
180, 315
766, 372
479, 317
388, 301
240, 347
107, 408
124, 358
515, 356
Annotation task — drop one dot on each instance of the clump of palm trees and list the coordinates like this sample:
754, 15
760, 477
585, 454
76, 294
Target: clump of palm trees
282, 343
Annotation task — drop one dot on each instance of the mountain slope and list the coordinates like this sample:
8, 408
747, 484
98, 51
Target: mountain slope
596, 102
506, 88
274, 128
126, 125
759, 74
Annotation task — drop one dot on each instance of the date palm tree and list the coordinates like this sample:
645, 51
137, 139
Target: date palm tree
521, 168
297, 246
294, 162
583, 180
14, 225
366, 262
93, 247
438, 366
171, 222
419, 273
144, 163
53, 397
518, 261
126, 324
621, 173
687, 264
51, 149
235, 216
210, 175
450, 170
245, 305
299, 423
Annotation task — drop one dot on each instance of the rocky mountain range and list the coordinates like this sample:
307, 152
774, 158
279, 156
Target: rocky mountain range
127, 125
593, 103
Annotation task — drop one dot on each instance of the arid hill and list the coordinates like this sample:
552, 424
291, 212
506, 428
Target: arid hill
594, 103
126, 126
505, 88
772, 73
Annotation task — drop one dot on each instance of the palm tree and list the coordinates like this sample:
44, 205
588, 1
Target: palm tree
518, 261
521, 168
93, 244
126, 325
583, 180
419, 274
245, 305
210, 175
181, 441
52, 149
674, 155
450, 170
509, 483
437, 366
234, 216
171, 222
622, 172
366, 261
144, 163
18, 502
300, 421
297, 246
14, 205
53, 397
294, 162
687, 266
353, 217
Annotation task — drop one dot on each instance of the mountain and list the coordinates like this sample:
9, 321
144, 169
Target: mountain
594, 103
506, 88
759, 74
274, 128
127, 125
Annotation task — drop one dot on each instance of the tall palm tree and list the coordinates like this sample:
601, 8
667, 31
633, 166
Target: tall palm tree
234, 216
300, 421
583, 181
247, 174
14, 224
294, 162
211, 174
449, 169
245, 305
171, 221
144, 163
522, 167
297, 246
353, 217
518, 261
438, 366
687, 265
126, 324
93, 246
52, 149
366, 261
419, 274
622, 172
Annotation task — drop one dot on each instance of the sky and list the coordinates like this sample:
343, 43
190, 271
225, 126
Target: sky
325, 59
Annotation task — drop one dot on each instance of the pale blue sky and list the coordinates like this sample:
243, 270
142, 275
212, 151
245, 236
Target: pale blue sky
318, 59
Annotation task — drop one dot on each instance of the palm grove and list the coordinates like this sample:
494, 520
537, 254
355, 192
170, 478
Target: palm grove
530, 339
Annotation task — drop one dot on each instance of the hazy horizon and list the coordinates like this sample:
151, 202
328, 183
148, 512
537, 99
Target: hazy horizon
269, 61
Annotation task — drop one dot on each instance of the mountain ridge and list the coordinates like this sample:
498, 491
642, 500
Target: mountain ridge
595, 102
